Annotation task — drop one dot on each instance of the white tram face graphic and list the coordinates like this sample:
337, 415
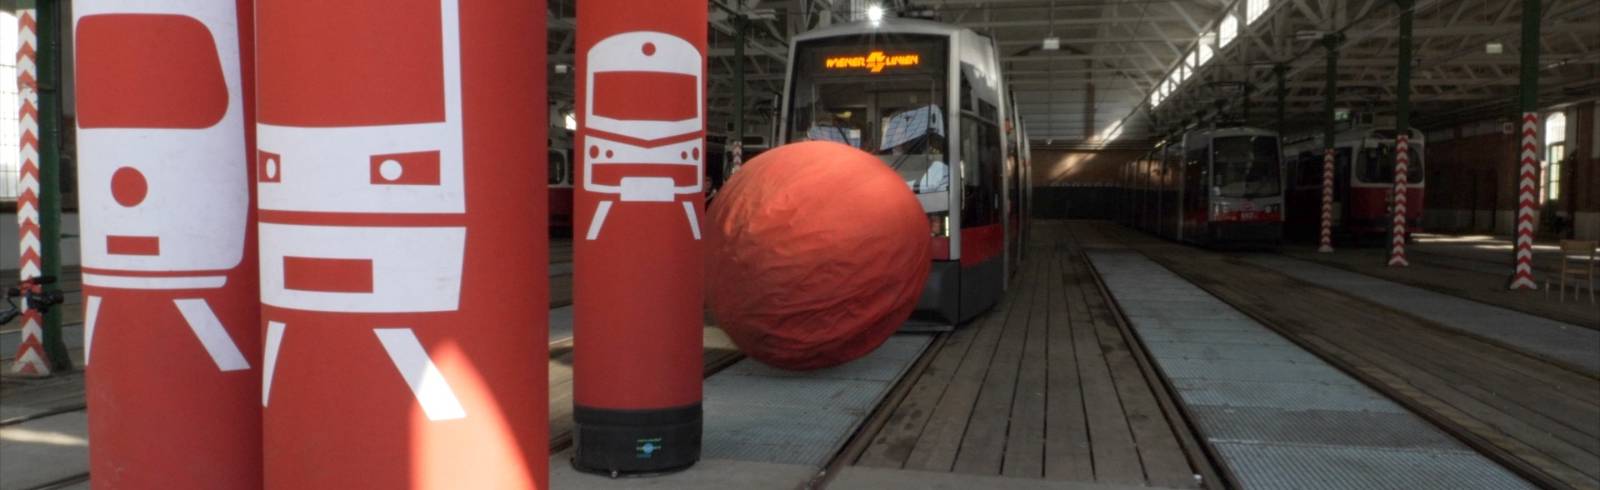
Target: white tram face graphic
643, 109
165, 189
397, 171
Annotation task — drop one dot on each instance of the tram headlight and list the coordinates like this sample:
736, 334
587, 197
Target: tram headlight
939, 224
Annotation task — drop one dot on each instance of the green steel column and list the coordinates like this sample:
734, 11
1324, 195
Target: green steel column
1397, 232
1528, 185
740, 24
49, 28
1330, 87
1402, 98
1247, 90
1282, 72
1330, 98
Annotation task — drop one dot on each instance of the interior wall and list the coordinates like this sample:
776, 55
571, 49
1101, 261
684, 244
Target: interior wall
1473, 178
1077, 184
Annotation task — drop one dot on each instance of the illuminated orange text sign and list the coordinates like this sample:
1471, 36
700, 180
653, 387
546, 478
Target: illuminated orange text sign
875, 61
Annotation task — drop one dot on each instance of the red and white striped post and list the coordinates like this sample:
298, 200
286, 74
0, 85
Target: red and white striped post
1402, 161
1527, 202
1327, 201
31, 357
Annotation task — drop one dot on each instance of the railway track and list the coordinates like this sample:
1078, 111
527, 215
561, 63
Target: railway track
1538, 418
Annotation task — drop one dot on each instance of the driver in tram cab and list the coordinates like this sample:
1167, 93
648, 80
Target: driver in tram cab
938, 175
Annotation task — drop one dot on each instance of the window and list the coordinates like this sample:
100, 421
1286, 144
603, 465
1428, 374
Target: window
1555, 147
1245, 166
560, 167
1203, 54
10, 166
980, 172
1227, 31
1254, 9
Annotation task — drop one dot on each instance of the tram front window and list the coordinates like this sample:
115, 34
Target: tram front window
1377, 164
882, 93
1245, 166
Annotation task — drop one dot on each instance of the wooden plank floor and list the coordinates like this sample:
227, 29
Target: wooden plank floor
1044, 386
1537, 417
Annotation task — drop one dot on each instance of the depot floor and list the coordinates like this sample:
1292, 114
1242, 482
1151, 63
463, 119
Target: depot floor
1116, 361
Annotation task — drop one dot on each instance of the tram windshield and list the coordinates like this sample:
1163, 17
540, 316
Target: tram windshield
1377, 164
1245, 166
884, 93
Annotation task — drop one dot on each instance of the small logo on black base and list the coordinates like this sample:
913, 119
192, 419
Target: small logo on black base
647, 448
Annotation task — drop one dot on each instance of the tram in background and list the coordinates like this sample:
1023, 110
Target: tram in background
559, 158
1218, 186
929, 99
1363, 183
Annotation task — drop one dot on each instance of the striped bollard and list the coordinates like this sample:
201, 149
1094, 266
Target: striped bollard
1402, 161
1527, 203
1327, 202
31, 358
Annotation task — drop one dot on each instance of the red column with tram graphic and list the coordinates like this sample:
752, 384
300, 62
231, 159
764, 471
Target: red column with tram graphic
403, 257
169, 274
637, 249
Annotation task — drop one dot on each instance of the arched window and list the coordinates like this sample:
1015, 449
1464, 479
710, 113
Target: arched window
1227, 31
1254, 9
1555, 152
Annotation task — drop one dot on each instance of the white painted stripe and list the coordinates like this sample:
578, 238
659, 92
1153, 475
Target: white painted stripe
30, 241
197, 313
598, 221
31, 269
129, 282
269, 363
91, 312
694, 223
27, 358
427, 383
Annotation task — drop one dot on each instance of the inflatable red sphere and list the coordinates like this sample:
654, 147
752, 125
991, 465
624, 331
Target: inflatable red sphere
816, 254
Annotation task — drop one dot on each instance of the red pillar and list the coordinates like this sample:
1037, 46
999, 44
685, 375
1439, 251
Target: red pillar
637, 251
169, 257
403, 257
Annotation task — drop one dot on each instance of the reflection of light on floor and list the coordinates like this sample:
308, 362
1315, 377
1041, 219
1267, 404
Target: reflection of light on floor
1503, 247
1432, 238
18, 434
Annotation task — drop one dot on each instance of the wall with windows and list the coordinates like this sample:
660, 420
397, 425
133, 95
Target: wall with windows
1472, 175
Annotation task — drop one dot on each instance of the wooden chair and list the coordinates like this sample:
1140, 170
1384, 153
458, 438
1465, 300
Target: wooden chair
1577, 264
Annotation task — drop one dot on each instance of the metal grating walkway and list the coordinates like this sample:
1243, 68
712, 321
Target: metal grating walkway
1557, 341
1275, 415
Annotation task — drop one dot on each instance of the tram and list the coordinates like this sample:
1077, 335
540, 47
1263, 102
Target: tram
929, 99
1363, 183
559, 158
1215, 187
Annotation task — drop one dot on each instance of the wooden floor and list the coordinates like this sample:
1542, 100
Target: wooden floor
1536, 417
1043, 387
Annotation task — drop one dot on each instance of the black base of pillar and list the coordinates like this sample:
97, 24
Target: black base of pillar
635, 442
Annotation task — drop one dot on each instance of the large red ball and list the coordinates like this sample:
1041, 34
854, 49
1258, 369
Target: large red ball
816, 254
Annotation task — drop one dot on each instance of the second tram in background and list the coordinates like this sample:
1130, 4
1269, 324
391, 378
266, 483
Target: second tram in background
1219, 186
1363, 183
929, 100
560, 191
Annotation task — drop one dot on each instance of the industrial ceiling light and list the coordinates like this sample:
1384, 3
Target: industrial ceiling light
1052, 43
1494, 47
875, 14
